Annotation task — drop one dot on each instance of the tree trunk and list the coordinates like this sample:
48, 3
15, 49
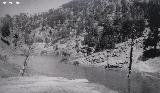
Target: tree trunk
131, 60
25, 61
25, 65
155, 47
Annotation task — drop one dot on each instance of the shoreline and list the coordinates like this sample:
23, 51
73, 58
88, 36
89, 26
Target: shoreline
44, 84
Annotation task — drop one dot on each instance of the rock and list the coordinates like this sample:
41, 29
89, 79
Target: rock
76, 63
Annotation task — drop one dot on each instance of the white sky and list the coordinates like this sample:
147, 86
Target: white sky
29, 6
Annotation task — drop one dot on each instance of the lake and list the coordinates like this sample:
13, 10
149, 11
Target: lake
113, 79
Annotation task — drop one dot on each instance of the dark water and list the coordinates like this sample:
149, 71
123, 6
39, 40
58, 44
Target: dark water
116, 80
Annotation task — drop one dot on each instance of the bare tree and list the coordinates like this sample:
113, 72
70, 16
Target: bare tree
131, 52
135, 13
27, 54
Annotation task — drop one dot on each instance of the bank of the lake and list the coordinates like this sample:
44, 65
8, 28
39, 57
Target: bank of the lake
44, 84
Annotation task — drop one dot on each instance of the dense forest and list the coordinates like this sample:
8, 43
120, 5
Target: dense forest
102, 23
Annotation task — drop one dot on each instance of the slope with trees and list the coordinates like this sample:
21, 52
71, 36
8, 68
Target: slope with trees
103, 24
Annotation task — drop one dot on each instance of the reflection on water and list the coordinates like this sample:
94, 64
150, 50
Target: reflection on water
113, 79
129, 85
116, 80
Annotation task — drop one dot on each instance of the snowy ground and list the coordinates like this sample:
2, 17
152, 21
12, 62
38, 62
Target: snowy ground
149, 66
42, 84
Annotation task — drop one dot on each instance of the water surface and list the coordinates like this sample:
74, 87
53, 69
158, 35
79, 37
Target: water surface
113, 79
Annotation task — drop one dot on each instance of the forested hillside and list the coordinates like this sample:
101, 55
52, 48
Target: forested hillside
86, 27
77, 17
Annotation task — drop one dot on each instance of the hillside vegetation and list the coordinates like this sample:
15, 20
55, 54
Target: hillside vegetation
108, 33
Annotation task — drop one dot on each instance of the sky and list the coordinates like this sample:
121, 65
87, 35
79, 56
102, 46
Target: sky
28, 6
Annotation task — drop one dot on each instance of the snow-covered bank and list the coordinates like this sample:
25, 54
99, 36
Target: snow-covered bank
42, 84
116, 57
149, 66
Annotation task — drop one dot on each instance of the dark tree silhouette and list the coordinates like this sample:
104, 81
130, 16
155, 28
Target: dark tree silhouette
6, 25
5, 30
153, 16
